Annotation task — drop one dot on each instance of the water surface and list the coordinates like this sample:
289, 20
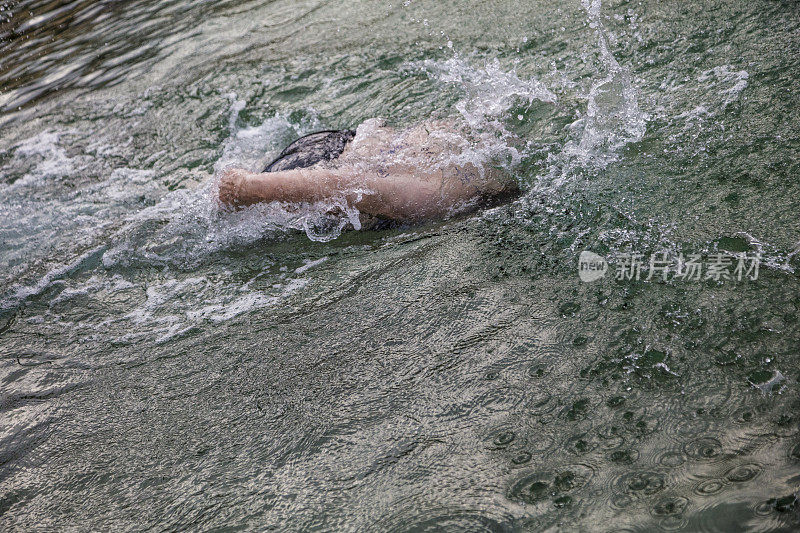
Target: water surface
166, 366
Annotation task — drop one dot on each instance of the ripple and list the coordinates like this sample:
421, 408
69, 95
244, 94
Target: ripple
622, 501
744, 416
624, 457
579, 410
535, 487
581, 443
794, 453
580, 341
703, 448
457, 521
709, 487
502, 438
615, 401
670, 506
673, 523
522, 458
743, 473
538, 402
538, 371
671, 458
531, 488
573, 477
645, 482
784, 425
785, 504
685, 426
610, 437
763, 509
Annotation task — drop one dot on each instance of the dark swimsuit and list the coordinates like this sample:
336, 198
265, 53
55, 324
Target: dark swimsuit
311, 149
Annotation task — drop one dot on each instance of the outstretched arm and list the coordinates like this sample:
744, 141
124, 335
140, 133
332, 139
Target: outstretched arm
397, 194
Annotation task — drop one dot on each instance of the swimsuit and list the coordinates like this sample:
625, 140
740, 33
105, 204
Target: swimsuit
311, 149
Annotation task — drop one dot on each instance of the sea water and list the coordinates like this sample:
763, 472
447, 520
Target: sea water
168, 365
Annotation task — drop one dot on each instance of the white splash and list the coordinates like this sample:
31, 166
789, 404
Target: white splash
613, 117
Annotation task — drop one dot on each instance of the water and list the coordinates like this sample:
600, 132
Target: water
167, 366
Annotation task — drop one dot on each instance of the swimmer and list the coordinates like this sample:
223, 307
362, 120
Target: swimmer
396, 175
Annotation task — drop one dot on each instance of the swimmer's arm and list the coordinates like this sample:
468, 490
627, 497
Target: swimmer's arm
398, 195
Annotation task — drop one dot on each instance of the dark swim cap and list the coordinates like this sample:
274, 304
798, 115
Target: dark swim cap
311, 149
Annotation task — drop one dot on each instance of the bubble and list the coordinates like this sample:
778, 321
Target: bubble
704, 448
743, 473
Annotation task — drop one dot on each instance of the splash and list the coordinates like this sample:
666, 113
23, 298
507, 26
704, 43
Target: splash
251, 148
488, 94
613, 117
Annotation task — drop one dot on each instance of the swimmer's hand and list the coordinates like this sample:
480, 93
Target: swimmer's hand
231, 185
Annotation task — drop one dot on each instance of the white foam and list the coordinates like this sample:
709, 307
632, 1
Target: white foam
727, 75
310, 264
53, 161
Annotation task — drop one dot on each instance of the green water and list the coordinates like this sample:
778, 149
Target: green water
169, 367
